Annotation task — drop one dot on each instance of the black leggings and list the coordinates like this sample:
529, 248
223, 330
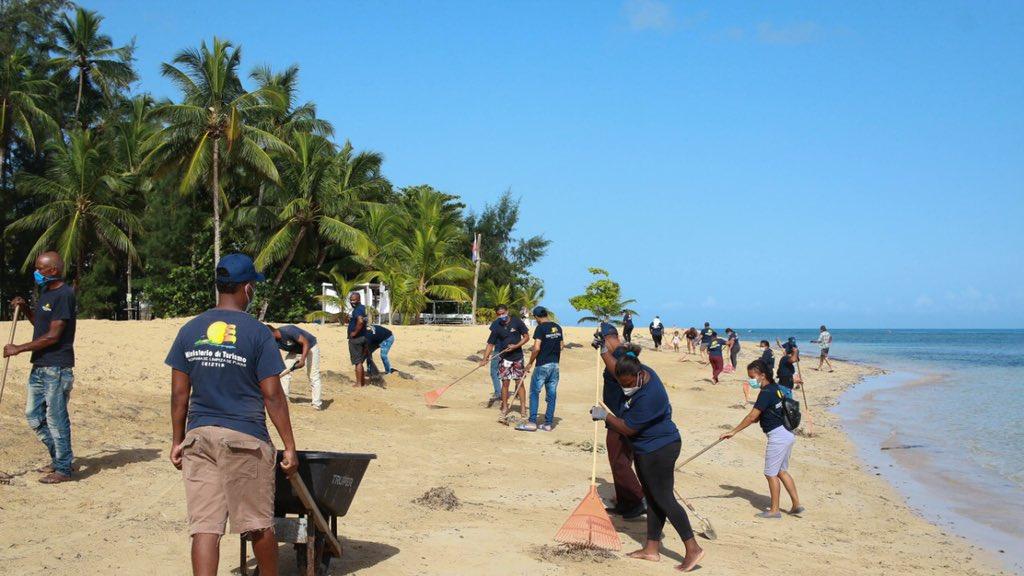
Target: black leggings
657, 477
657, 340
734, 354
627, 333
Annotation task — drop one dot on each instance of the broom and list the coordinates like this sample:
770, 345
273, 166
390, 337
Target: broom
7, 361
589, 525
432, 396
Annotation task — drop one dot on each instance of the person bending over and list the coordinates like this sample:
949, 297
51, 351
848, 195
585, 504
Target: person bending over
767, 411
302, 350
379, 338
645, 417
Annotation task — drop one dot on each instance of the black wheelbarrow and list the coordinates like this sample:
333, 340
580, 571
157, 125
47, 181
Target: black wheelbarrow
320, 492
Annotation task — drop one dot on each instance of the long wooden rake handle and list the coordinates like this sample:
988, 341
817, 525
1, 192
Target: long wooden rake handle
307, 500
705, 449
7, 361
597, 400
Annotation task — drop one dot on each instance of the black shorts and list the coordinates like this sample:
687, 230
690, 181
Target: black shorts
357, 350
824, 352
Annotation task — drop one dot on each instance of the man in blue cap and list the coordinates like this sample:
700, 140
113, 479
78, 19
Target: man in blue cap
548, 343
225, 371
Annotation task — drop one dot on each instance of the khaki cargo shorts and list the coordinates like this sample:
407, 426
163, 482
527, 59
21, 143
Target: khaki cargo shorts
227, 474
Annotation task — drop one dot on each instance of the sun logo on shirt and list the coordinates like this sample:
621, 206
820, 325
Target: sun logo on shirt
219, 334
47, 307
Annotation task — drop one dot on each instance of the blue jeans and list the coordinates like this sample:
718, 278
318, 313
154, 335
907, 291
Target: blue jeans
495, 381
384, 347
46, 408
546, 377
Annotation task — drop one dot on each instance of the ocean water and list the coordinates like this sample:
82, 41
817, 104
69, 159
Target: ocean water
950, 413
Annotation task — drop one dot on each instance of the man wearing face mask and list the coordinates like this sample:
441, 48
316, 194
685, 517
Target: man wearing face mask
358, 349
53, 360
508, 335
225, 369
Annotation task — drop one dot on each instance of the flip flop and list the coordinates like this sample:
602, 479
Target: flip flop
798, 510
768, 515
526, 427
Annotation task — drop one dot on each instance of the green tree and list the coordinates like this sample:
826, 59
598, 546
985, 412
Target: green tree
23, 94
315, 201
602, 298
83, 204
506, 259
84, 52
214, 126
343, 286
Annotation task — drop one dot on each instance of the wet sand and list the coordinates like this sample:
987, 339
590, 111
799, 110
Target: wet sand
126, 512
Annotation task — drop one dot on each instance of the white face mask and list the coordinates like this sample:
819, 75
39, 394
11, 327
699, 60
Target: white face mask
630, 391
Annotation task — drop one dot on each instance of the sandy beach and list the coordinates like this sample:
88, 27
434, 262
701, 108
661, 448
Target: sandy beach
126, 512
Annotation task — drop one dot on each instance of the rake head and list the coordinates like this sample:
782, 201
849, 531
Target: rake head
589, 525
431, 397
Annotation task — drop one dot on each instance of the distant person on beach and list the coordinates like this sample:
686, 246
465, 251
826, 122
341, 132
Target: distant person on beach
705, 337
714, 348
792, 350
691, 340
225, 368
357, 348
824, 341
508, 335
675, 341
645, 417
787, 371
733, 343
379, 338
547, 352
657, 331
629, 495
768, 411
302, 350
627, 327
53, 359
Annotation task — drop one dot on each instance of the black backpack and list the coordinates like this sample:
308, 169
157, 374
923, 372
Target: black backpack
790, 412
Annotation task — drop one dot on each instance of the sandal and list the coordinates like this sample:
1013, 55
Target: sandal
54, 478
48, 469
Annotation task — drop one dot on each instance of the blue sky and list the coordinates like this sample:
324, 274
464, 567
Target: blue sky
755, 164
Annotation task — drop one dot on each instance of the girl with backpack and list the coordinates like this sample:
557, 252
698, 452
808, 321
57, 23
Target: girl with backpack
768, 410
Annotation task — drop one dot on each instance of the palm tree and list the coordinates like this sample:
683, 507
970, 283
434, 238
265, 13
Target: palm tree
82, 49
313, 207
495, 294
22, 94
280, 90
530, 296
83, 203
214, 126
342, 286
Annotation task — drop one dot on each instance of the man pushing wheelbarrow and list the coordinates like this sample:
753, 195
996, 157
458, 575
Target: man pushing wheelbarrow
224, 380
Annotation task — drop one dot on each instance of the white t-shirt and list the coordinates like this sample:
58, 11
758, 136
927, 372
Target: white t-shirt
825, 339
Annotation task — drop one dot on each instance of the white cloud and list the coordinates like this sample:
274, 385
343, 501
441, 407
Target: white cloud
790, 34
649, 15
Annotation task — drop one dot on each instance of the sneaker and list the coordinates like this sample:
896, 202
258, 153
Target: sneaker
527, 427
546, 427
637, 512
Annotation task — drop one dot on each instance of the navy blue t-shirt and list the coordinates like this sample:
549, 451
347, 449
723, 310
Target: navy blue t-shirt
627, 321
357, 312
55, 304
226, 354
506, 334
550, 336
705, 335
768, 358
715, 347
289, 341
770, 404
657, 330
735, 338
786, 372
377, 334
649, 412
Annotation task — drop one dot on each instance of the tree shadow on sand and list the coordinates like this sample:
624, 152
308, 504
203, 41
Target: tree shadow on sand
113, 459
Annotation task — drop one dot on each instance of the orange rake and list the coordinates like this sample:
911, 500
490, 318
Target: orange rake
589, 525
432, 396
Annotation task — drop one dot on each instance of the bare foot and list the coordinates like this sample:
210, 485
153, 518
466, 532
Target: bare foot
642, 554
690, 562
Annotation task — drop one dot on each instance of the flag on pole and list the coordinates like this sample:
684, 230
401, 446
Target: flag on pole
476, 248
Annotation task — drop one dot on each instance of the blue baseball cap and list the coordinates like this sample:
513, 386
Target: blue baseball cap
540, 312
237, 268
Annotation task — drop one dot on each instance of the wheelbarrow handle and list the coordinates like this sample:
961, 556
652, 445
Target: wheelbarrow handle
307, 500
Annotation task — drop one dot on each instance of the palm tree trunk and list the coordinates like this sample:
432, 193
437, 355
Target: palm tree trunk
78, 267
284, 267
216, 203
78, 102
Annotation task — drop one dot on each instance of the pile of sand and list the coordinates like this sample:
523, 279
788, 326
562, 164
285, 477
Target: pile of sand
573, 553
440, 498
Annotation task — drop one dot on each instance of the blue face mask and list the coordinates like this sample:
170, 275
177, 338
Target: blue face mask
503, 317
42, 279
754, 383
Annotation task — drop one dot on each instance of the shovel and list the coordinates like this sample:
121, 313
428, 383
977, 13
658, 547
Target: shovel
706, 528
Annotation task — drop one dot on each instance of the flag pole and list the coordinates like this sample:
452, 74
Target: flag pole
476, 274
